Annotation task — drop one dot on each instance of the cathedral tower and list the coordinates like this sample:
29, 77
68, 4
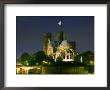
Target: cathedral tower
49, 48
47, 37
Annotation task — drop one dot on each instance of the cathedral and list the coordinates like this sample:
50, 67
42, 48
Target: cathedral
60, 47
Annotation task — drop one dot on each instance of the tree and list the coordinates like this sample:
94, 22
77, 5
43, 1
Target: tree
33, 61
59, 60
40, 56
50, 60
26, 59
88, 57
77, 58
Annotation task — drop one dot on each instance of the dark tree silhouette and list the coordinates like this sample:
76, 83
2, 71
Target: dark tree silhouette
26, 59
40, 56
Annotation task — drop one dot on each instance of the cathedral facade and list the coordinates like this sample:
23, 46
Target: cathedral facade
60, 48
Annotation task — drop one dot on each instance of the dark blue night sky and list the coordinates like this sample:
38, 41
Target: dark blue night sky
30, 31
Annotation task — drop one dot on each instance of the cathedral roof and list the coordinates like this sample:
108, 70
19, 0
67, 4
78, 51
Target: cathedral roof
64, 43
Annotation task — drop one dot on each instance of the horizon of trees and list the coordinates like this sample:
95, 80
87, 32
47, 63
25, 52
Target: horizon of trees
40, 58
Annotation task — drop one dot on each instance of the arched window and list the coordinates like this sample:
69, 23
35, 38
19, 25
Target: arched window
63, 56
67, 56
71, 55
